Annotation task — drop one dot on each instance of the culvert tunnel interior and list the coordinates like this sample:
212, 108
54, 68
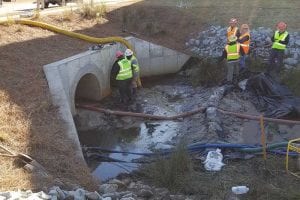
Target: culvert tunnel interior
88, 88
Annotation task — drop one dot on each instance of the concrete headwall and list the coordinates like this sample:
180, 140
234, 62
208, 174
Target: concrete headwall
92, 65
87, 75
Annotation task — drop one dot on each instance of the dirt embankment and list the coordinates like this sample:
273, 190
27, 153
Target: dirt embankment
29, 123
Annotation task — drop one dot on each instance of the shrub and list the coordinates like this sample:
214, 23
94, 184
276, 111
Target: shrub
172, 173
206, 71
90, 11
67, 15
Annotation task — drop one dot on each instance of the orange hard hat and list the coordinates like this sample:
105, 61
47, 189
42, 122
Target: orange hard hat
233, 20
281, 26
119, 54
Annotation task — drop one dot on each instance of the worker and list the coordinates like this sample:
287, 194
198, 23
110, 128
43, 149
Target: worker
233, 28
123, 74
136, 81
280, 39
232, 52
244, 41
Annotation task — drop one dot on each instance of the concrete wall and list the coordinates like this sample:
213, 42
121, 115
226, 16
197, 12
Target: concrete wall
87, 75
96, 65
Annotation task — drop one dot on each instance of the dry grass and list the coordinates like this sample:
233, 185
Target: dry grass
265, 182
256, 13
171, 172
29, 123
67, 15
89, 11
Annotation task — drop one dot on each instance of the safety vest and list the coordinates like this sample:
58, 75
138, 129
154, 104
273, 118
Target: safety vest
231, 31
125, 71
135, 64
233, 51
277, 38
245, 45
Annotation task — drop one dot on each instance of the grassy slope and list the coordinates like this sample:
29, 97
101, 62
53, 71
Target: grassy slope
256, 13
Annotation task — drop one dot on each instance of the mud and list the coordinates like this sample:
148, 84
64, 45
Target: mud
167, 96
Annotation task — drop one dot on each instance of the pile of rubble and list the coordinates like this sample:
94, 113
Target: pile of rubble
115, 189
211, 42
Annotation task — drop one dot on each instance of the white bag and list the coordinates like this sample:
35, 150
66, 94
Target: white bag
213, 161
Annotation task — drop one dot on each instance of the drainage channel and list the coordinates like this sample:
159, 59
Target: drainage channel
131, 134
166, 98
139, 138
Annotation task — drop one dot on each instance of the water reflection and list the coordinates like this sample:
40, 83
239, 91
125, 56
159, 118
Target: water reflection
139, 138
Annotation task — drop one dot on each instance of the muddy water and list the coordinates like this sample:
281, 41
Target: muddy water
274, 132
166, 97
140, 138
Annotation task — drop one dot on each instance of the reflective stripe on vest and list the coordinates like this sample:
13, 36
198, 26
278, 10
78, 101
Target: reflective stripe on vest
233, 51
277, 38
245, 45
125, 70
231, 31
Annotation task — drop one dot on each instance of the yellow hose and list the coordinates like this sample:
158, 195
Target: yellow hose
69, 33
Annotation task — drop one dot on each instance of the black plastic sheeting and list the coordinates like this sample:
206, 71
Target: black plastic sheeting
272, 98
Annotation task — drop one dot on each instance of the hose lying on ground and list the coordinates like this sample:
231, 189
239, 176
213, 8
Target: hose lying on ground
55, 29
141, 115
183, 115
244, 148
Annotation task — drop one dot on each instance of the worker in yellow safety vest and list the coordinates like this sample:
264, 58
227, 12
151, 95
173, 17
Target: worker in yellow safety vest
280, 40
233, 28
244, 41
232, 53
123, 74
136, 81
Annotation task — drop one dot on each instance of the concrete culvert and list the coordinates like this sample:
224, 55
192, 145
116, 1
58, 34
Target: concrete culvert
88, 88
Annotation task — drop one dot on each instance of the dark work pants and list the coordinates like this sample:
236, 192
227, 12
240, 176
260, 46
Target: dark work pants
125, 89
275, 55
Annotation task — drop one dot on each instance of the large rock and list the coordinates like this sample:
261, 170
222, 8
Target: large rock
297, 42
290, 61
108, 188
145, 193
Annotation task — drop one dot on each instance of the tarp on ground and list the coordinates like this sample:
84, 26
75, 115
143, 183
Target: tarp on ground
272, 98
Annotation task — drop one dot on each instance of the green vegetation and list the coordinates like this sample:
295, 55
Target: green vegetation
256, 65
206, 71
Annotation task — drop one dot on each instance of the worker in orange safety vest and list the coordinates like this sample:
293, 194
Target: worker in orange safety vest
233, 28
244, 41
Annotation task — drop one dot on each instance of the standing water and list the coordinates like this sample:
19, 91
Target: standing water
141, 139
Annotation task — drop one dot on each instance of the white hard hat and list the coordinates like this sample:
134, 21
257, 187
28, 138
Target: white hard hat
128, 52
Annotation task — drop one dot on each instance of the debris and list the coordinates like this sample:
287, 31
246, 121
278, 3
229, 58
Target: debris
240, 189
242, 84
273, 98
30, 164
213, 161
